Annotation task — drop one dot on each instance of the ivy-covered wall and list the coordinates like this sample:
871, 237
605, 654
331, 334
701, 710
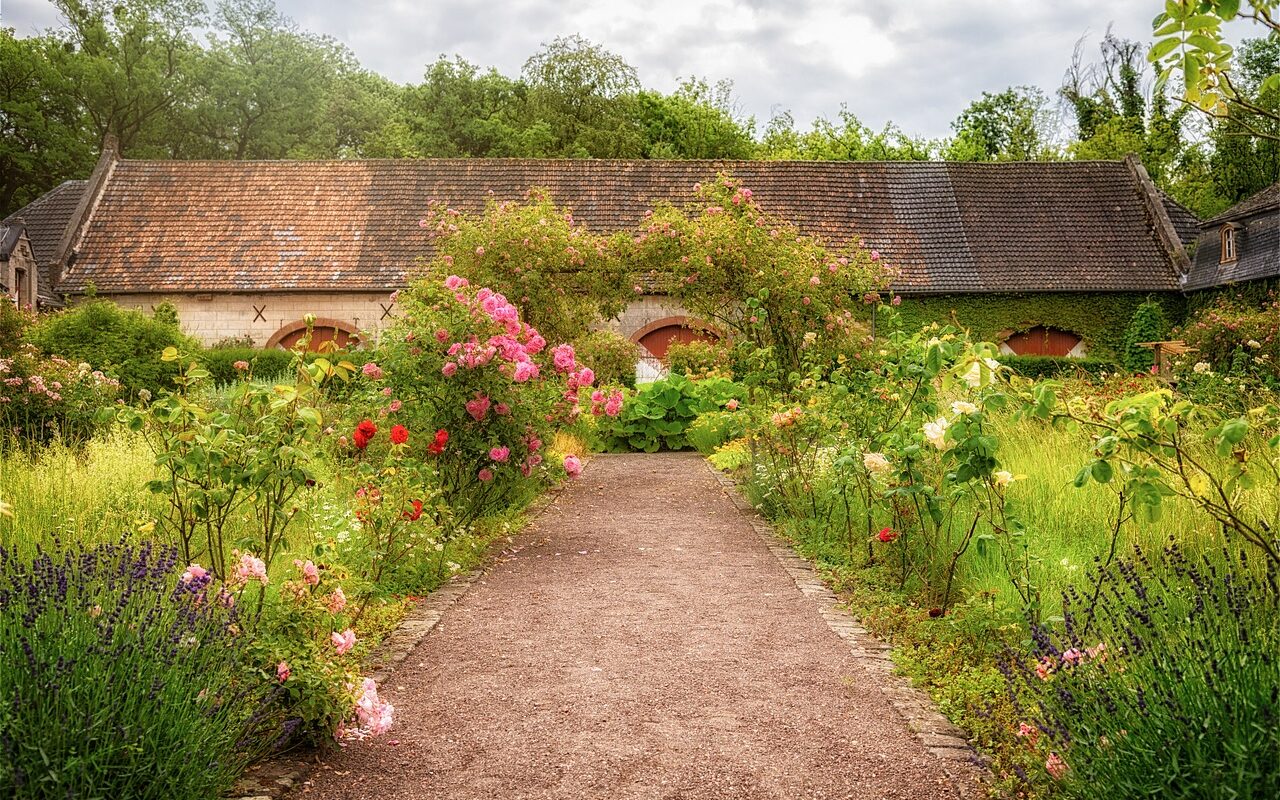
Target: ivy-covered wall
1251, 293
1100, 319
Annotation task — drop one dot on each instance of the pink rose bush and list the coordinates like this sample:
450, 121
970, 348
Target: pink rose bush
41, 398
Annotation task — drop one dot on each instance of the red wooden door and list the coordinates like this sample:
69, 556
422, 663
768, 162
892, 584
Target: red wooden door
319, 336
659, 341
1042, 341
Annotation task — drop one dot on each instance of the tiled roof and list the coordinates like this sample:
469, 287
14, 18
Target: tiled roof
1268, 198
348, 225
45, 220
1257, 232
1186, 224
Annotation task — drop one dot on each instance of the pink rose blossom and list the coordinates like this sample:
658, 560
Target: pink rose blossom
241, 365
343, 642
373, 714
394, 406
251, 568
194, 572
572, 466
386, 391
282, 671
1056, 766
485, 475
449, 368
732, 405
563, 357
372, 371
501, 409
875, 255
478, 407
524, 371
310, 572
337, 601
500, 454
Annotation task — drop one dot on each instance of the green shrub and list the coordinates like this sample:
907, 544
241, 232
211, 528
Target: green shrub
123, 343
263, 364
118, 678
711, 430
1162, 681
1037, 367
659, 414
1149, 324
611, 355
1235, 339
14, 323
699, 358
47, 398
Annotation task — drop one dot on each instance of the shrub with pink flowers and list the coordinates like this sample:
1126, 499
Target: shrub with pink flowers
461, 359
46, 398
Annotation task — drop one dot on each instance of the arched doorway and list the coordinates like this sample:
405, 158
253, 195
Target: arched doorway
657, 337
1044, 341
342, 334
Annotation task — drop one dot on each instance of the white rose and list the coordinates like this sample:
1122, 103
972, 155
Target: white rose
976, 376
1201, 368
961, 407
1003, 477
936, 432
876, 463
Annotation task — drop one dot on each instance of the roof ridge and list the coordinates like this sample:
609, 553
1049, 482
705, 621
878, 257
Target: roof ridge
513, 160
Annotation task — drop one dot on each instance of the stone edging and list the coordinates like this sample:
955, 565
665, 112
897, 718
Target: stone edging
938, 735
275, 777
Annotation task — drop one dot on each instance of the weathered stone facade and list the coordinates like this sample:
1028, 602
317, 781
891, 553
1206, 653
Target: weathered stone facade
19, 276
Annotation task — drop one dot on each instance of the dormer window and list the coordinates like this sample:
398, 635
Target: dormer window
1228, 243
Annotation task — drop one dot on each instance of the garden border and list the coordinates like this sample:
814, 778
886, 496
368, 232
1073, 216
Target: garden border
276, 777
937, 733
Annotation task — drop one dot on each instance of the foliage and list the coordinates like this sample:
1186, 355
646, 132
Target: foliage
122, 343
1236, 339
255, 452
1243, 163
564, 276
658, 414
1161, 681
116, 672
265, 364
712, 430
848, 139
14, 323
1191, 43
779, 295
1036, 367
700, 358
1148, 324
1089, 316
611, 355
1008, 126
695, 121
50, 398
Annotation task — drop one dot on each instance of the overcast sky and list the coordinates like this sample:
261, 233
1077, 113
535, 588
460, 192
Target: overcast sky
915, 62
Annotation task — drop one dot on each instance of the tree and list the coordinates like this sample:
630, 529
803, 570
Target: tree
846, 140
585, 96
1009, 126
127, 64
1246, 144
41, 126
1191, 44
458, 110
695, 121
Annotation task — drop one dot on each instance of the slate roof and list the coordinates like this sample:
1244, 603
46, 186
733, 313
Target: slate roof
173, 226
9, 237
45, 220
1257, 223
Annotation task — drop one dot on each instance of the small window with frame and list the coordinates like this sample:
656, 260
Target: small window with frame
1228, 252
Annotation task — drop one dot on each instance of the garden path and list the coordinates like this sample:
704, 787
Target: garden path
638, 641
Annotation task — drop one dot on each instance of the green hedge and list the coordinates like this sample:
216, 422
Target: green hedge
265, 364
123, 343
1055, 366
1100, 319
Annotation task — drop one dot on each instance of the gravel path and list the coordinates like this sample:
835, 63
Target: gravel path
641, 642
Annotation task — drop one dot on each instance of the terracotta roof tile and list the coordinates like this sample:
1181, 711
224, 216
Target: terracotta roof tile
349, 225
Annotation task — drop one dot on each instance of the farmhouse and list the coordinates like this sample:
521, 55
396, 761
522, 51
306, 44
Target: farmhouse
1239, 245
247, 249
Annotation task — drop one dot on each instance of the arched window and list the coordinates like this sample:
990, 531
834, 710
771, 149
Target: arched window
1228, 252
344, 334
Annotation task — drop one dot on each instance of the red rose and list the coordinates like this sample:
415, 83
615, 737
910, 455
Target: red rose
437, 444
415, 512
888, 534
399, 434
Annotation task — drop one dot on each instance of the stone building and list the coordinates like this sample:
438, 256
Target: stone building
19, 278
247, 249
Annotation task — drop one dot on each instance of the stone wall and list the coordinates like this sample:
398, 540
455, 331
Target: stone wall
211, 317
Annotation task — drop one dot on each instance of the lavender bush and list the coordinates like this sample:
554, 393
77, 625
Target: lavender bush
121, 676
1160, 681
